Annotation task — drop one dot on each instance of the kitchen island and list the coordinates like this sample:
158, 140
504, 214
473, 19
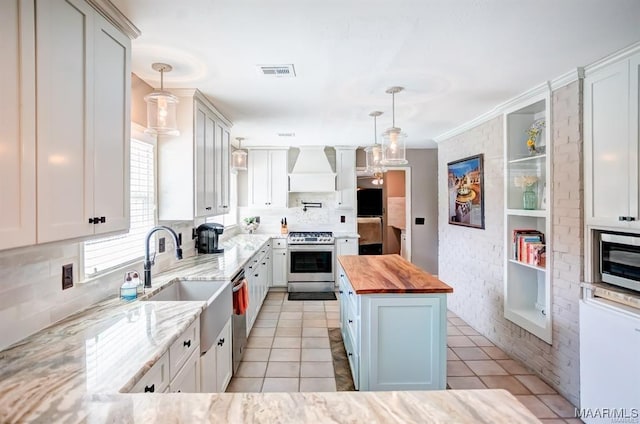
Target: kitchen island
393, 323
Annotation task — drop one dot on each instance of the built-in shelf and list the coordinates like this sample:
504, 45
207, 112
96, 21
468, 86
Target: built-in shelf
528, 159
527, 288
536, 213
537, 268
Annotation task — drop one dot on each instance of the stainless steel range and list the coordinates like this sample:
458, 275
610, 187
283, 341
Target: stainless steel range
310, 267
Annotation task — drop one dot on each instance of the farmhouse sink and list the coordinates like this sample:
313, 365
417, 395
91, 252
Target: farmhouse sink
218, 296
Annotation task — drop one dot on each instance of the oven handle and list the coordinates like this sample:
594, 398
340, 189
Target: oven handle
311, 247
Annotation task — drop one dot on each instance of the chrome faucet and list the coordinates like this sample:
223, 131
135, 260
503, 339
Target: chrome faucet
148, 262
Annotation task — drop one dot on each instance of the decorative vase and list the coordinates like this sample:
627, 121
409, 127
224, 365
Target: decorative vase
529, 198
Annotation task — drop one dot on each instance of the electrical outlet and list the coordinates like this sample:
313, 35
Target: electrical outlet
343, 219
419, 221
67, 276
161, 245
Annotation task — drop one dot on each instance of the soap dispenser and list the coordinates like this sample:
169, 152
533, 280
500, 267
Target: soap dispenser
129, 289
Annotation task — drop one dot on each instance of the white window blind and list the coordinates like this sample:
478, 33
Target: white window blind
107, 253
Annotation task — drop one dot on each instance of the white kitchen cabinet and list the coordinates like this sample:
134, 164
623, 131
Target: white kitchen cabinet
257, 272
222, 158
527, 285
609, 351
268, 180
611, 98
17, 127
224, 364
394, 341
280, 256
345, 178
344, 246
156, 380
187, 380
83, 89
193, 176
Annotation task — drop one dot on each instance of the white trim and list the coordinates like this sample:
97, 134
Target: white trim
407, 197
621, 54
197, 94
112, 14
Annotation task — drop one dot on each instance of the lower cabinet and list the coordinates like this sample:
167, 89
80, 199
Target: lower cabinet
216, 365
394, 341
609, 367
345, 246
178, 369
279, 278
257, 272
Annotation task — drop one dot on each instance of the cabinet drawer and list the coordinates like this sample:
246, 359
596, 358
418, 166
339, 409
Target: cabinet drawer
156, 380
181, 349
352, 324
187, 379
354, 358
279, 243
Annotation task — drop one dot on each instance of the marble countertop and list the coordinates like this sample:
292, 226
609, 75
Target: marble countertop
389, 274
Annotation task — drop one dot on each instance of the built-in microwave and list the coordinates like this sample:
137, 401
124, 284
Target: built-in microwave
620, 260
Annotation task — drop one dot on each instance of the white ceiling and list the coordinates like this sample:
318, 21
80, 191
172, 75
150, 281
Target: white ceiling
456, 59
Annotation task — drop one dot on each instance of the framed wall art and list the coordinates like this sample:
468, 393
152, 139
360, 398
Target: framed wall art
466, 192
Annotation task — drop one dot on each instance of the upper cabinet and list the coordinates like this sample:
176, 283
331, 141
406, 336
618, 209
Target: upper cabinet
193, 168
528, 217
17, 129
611, 97
346, 178
83, 80
268, 180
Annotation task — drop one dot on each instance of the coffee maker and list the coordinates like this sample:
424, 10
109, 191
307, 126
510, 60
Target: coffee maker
207, 238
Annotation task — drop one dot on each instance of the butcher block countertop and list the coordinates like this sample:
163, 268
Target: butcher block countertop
370, 274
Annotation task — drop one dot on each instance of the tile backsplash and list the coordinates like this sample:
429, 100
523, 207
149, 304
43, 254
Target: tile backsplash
31, 295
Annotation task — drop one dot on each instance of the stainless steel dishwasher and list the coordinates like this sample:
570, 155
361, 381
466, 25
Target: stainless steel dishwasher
238, 321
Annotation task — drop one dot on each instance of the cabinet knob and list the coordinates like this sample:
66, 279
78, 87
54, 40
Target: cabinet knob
221, 342
350, 292
150, 389
91, 220
208, 208
103, 219
187, 343
349, 353
340, 292
350, 321
631, 218
255, 275
622, 218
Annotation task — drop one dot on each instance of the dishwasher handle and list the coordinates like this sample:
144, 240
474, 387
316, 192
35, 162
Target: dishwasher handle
237, 287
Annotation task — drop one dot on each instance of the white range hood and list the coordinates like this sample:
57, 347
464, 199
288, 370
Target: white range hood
312, 172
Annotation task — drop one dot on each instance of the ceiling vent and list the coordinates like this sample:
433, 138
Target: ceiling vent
277, 70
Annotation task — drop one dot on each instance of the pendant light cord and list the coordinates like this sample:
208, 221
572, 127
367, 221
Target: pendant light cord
393, 109
375, 130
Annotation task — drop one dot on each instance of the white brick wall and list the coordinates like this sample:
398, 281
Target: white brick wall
471, 260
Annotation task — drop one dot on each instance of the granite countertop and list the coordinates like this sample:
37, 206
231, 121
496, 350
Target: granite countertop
389, 274
450, 406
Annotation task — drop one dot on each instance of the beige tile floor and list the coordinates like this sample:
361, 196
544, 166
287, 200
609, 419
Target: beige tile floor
289, 351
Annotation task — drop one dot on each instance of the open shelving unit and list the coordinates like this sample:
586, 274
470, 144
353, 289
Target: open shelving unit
527, 287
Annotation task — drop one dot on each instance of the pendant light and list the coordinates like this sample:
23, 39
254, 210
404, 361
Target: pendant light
161, 107
374, 153
393, 143
239, 157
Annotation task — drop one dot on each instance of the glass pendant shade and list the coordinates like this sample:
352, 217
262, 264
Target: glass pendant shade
239, 158
161, 113
161, 107
393, 147
393, 141
373, 154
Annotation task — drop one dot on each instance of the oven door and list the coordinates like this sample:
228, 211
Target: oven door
310, 262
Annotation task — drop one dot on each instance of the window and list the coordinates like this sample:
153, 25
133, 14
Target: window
112, 252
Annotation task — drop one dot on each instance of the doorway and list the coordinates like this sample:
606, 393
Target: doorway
384, 209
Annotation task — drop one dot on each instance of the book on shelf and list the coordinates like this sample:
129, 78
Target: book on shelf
528, 246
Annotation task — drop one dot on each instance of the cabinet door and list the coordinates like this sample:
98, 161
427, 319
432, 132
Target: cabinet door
421, 344
279, 179
112, 85
224, 365
17, 129
609, 372
187, 379
222, 170
259, 178
205, 171
610, 167
64, 81
156, 380
634, 135
279, 278
346, 178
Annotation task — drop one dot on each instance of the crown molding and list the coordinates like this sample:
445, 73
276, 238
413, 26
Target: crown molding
116, 17
612, 58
